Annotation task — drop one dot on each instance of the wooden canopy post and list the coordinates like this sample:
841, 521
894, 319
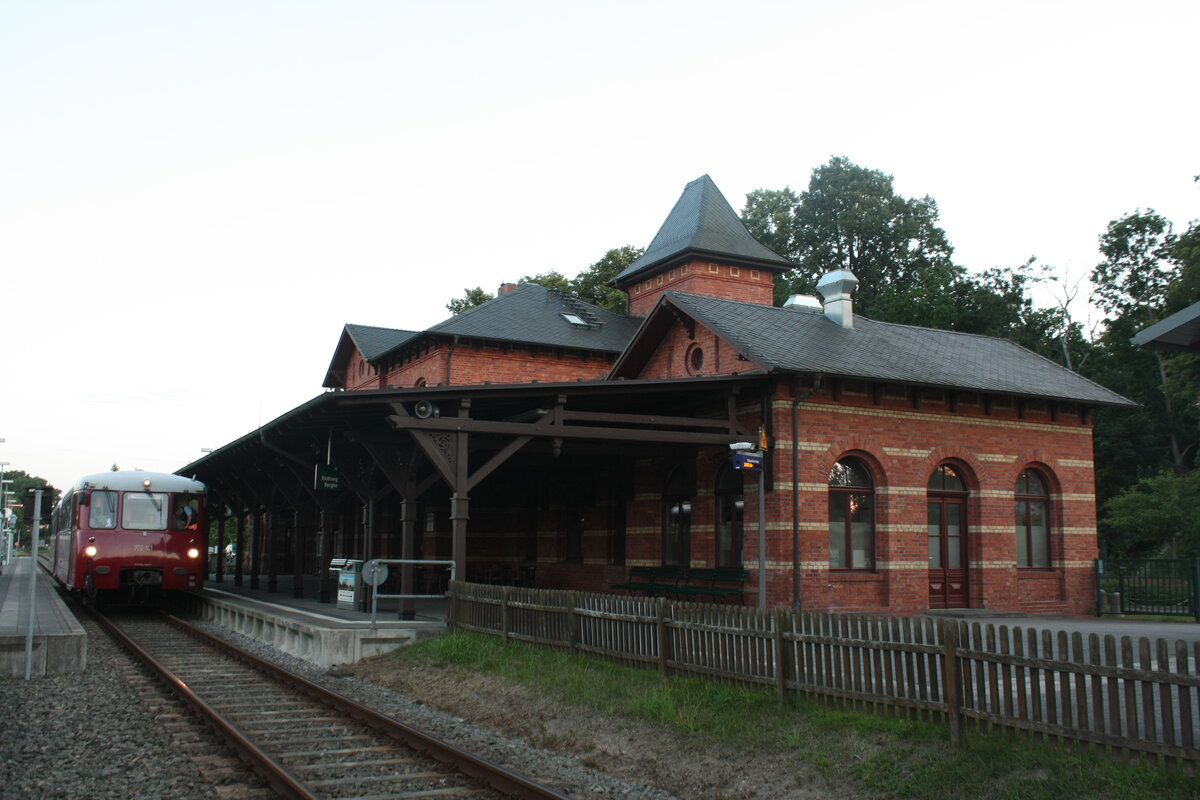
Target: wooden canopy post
255, 547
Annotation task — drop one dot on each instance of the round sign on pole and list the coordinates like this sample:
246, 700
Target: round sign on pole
374, 573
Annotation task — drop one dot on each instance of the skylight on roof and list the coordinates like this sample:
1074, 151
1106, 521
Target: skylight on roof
574, 319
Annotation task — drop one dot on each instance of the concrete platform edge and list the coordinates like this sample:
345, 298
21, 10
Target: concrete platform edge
323, 645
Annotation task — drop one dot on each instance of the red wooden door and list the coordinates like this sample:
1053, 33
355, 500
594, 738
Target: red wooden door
947, 552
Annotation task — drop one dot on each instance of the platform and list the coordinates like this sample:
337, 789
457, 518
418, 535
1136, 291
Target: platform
59, 641
322, 633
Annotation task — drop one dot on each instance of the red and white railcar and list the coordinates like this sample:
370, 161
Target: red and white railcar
132, 534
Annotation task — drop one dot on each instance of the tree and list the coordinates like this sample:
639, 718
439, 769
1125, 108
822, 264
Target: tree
1147, 272
851, 218
470, 299
551, 280
1157, 516
591, 285
770, 216
1137, 267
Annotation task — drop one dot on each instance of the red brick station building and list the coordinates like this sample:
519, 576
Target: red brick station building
538, 440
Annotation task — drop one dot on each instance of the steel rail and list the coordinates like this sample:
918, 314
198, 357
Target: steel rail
497, 777
501, 779
275, 773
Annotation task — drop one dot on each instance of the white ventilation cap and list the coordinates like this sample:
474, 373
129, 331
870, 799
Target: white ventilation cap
836, 287
802, 301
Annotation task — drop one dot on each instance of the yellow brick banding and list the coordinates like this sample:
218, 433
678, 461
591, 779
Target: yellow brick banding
1076, 462
907, 452
999, 458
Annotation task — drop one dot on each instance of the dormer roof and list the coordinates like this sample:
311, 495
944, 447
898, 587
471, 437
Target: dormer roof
533, 314
369, 341
702, 223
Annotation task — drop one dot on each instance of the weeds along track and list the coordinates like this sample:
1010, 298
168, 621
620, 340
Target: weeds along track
304, 740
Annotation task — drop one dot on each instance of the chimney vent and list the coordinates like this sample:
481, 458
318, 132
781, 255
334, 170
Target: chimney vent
836, 287
505, 288
802, 301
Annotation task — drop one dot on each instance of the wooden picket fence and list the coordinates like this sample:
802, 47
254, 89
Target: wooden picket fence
1139, 700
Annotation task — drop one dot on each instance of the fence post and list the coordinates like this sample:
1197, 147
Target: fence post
1098, 565
572, 620
504, 613
1196, 589
950, 678
780, 666
663, 643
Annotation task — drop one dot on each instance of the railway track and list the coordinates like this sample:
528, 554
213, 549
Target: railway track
304, 740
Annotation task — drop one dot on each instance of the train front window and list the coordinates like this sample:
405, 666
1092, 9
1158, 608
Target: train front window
102, 510
144, 511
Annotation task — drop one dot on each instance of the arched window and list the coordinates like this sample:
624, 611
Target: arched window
730, 505
851, 516
677, 516
1032, 520
946, 479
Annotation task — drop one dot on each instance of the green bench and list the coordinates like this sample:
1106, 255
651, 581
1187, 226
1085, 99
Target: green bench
712, 582
651, 580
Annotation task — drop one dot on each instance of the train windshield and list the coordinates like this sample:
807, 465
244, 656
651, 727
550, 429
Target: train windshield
102, 510
144, 511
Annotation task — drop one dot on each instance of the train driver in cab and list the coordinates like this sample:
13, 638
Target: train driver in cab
185, 516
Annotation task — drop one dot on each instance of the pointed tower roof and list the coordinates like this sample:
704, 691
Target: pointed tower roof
702, 223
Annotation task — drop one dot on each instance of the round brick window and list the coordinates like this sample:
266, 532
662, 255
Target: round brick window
695, 359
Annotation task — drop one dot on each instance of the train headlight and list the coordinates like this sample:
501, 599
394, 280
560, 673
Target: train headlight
193, 552
90, 551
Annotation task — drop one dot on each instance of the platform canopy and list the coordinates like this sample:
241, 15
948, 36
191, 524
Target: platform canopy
1179, 332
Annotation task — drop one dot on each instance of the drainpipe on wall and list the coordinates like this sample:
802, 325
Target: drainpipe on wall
796, 491
450, 357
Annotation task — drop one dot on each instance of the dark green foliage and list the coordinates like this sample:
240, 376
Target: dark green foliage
1145, 457
1157, 516
851, 218
470, 299
590, 285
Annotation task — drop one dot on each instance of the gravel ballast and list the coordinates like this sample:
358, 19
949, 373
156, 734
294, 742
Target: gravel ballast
110, 732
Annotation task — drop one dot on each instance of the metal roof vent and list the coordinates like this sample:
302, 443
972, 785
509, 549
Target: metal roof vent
836, 288
802, 301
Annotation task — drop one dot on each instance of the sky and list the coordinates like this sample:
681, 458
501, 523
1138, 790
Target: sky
196, 197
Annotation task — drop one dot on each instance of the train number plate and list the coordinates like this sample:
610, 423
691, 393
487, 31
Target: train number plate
142, 548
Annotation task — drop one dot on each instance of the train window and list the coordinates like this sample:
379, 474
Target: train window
186, 516
144, 511
102, 508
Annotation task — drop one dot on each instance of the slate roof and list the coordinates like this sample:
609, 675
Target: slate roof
798, 339
368, 340
373, 342
702, 223
533, 314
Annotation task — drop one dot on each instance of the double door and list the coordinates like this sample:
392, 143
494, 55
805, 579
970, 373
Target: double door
947, 552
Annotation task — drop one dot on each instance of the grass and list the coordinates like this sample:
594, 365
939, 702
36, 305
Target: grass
894, 757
